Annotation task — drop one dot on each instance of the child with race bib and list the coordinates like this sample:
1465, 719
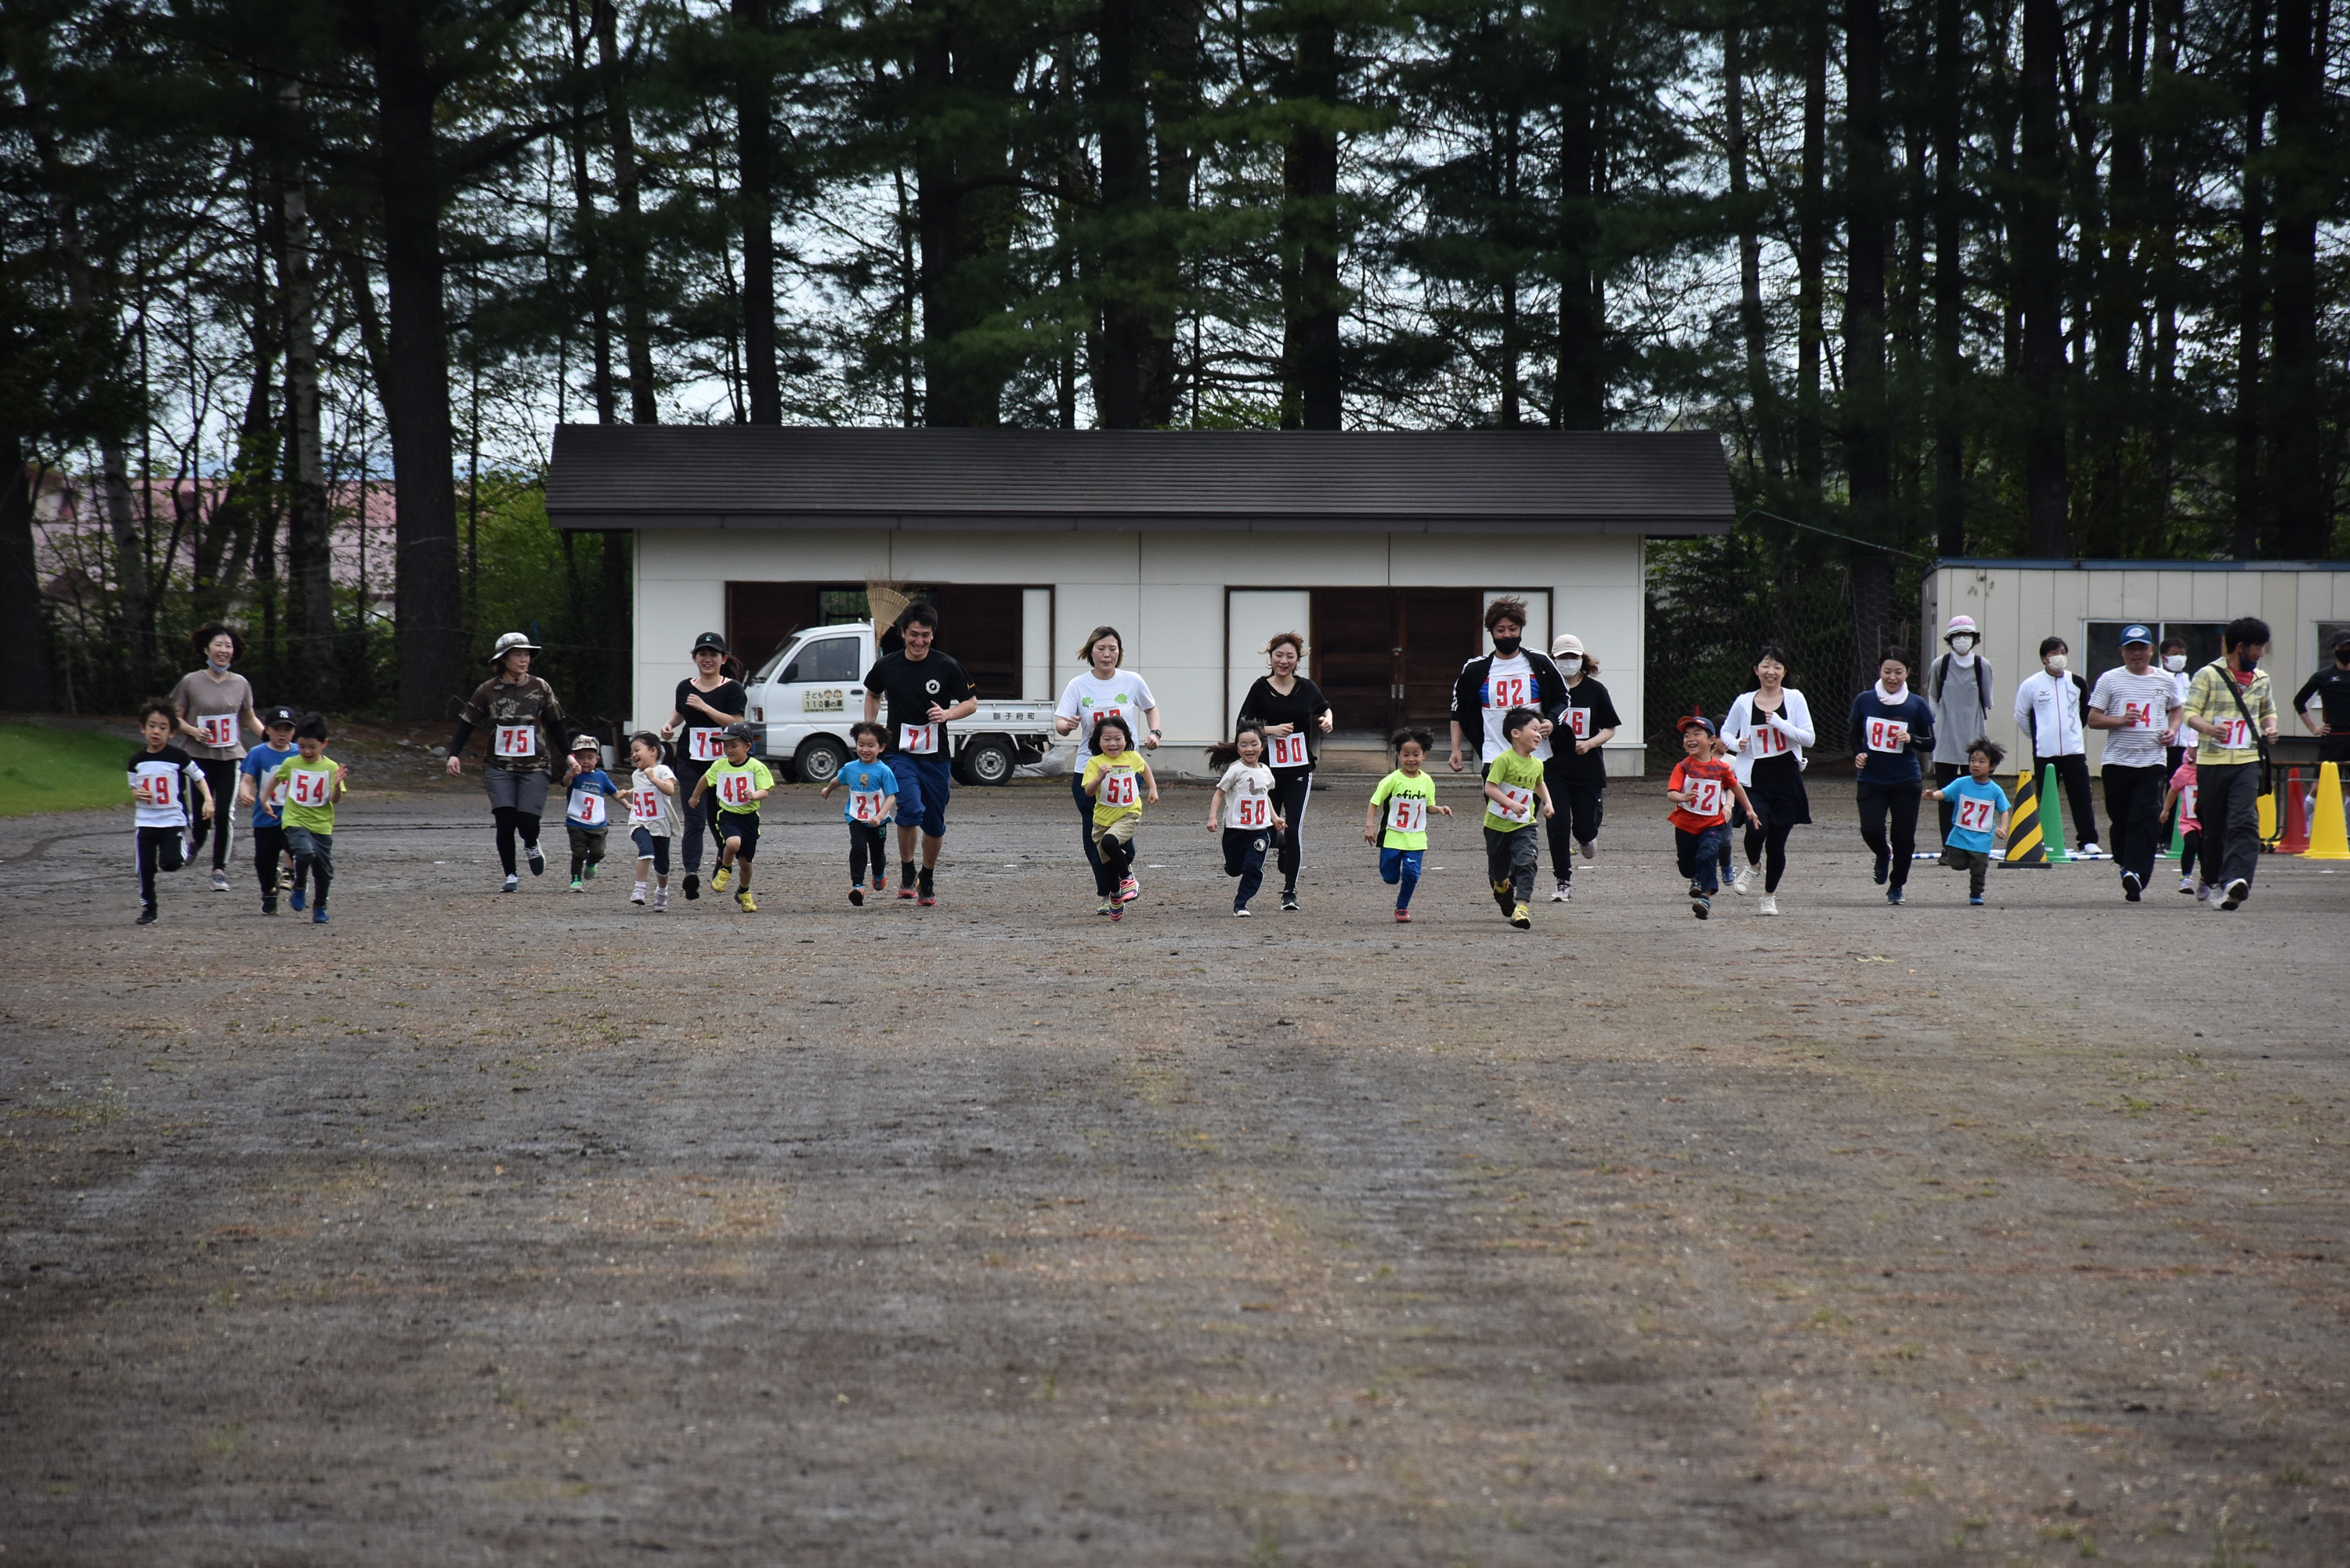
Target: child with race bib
1701, 788
2181, 798
1515, 788
739, 784
872, 803
1241, 809
587, 810
1397, 819
1979, 815
1116, 777
652, 816
310, 782
160, 778
254, 789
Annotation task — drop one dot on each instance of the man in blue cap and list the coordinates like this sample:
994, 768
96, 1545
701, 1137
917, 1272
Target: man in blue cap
2137, 707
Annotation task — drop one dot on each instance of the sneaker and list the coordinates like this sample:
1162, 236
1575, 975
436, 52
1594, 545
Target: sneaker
1883, 868
1521, 917
750, 906
1769, 906
719, 878
1117, 911
2238, 891
856, 894
220, 881
926, 890
318, 915
1561, 892
536, 857
1893, 897
300, 900
1289, 899
2203, 892
1695, 891
637, 893
589, 871
693, 886
285, 878
1589, 849
1739, 883
146, 916
269, 905
577, 886
1974, 899
2131, 886
1240, 911
661, 900
1129, 890
880, 882
1702, 907
2090, 849
905, 889
1110, 907
2187, 886
1403, 917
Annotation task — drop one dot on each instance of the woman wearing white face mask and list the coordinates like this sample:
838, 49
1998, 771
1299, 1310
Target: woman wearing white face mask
2052, 709
1958, 687
1577, 769
2174, 664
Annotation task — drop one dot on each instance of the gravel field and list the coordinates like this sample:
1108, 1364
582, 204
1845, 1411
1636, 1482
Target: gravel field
475, 1228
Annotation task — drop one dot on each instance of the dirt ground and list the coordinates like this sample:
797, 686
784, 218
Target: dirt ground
475, 1228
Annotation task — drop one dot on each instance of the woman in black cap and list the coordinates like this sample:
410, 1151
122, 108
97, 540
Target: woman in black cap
526, 729
707, 702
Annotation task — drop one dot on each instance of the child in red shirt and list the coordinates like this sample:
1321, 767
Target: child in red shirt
1701, 788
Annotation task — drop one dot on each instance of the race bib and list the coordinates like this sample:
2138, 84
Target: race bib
1768, 741
1515, 805
1704, 797
1289, 751
586, 808
220, 729
308, 786
272, 797
865, 804
1251, 811
2235, 735
1975, 814
644, 807
156, 789
1578, 722
1510, 692
1888, 735
1407, 813
918, 739
734, 789
2140, 715
515, 741
705, 745
2186, 802
1121, 789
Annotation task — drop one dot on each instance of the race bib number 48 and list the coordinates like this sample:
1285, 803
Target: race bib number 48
1975, 814
734, 789
918, 739
1289, 751
220, 729
515, 741
1888, 735
1407, 813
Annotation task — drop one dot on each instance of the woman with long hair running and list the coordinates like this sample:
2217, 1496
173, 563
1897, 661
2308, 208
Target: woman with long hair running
1097, 693
707, 702
1293, 716
1766, 731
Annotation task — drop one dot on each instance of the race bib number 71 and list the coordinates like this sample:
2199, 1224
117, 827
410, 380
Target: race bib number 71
918, 739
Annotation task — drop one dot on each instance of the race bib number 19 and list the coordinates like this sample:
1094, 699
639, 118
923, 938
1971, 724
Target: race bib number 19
1407, 813
918, 739
1289, 751
516, 741
1888, 735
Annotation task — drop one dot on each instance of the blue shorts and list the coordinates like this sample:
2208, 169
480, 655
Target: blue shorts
923, 784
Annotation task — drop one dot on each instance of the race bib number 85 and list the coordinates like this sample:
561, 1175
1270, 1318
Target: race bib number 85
1888, 735
1407, 813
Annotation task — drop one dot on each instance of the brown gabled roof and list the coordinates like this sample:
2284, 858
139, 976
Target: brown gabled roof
755, 477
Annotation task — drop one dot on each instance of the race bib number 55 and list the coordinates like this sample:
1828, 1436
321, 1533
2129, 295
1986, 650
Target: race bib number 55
1888, 735
644, 807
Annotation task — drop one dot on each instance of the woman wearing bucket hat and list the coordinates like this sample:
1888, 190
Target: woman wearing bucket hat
523, 719
213, 708
1577, 769
707, 702
1958, 688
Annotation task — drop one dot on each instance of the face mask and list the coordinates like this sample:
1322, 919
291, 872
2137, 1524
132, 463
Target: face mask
2174, 662
1507, 647
1962, 645
2057, 663
2248, 662
1570, 667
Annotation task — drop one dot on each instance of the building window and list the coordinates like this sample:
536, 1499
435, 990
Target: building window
2102, 641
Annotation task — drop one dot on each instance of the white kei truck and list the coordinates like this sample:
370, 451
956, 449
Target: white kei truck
804, 699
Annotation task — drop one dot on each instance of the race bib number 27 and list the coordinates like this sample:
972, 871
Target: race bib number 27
1975, 814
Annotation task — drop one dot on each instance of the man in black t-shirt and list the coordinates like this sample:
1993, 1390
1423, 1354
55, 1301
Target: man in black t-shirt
2330, 689
927, 690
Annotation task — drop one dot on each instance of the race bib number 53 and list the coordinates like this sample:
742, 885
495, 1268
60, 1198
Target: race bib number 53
1888, 735
1121, 790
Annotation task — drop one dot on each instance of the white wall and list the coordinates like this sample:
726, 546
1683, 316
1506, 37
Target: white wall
1164, 591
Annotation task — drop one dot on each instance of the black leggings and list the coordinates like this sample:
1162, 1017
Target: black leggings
221, 773
268, 849
1767, 847
1901, 800
1289, 788
1114, 865
865, 841
159, 849
511, 821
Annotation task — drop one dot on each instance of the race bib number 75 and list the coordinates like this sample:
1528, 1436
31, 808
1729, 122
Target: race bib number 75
515, 741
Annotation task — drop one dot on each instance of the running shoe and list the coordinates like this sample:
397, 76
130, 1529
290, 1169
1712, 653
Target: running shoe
905, 889
1240, 911
1561, 892
719, 878
2090, 849
880, 881
536, 857
285, 879
856, 894
2238, 891
1521, 917
1129, 890
2203, 892
220, 880
300, 900
269, 905
693, 886
318, 915
1590, 849
637, 893
1883, 868
927, 901
1769, 906
1109, 906
2131, 886
661, 900
2187, 886
750, 905
1403, 917
513, 884
1117, 911
1893, 897
1702, 907
926, 890
1289, 899
577, 886
146, 917
589, 872
1739, 883
1974, 898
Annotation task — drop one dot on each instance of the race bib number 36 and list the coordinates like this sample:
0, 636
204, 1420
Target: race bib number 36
1975, 814
1120, 790
220, 729
516, 741
1289, 751
307, 788
1888, 735
705, 745
1407, 813
918, 739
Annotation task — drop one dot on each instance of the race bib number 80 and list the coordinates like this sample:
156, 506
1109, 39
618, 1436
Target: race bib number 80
1888, 735
1407, 813
1289, 751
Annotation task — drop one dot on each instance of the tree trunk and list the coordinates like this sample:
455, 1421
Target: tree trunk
431, 629
1750, 252
2040, 284
23, 629
2250, 302
1582, 391
636, 310
309, 532
2298, 480
1867, 462
754, 156
1810, 247
1310, 393
1118, 115
1950, 279
588, 225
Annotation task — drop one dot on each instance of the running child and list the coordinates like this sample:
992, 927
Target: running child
587, 812
270, 863
1242, 808
1736, 882
1407, 794
2180, 797
652, 816
1116, 777
739, 784
1515, 788
310, 782
872, 786
1981, 814
1701, 788
160, 778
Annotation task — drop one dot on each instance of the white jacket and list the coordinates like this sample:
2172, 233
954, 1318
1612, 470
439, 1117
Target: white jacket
2048, 711
1791, 726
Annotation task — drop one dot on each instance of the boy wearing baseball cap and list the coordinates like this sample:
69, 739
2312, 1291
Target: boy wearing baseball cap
2139, 708
1701, 788
273, 865
588, 811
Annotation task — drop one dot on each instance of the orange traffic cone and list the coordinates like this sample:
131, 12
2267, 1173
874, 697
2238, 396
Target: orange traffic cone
2297, 816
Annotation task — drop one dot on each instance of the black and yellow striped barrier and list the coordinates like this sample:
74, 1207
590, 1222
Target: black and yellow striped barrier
2024, 844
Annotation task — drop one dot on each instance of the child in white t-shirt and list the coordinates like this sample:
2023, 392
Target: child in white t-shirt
652, 816
1241, 809
161, 778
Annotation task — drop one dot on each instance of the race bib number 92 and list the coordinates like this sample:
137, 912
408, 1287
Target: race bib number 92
1510, 692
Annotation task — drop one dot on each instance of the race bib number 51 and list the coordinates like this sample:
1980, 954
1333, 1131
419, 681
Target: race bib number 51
1289, 751
1888, 735
1407, 813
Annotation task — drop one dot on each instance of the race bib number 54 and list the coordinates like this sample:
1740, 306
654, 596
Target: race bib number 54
309, 788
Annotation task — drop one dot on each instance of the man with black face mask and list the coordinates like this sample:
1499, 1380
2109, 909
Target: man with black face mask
2330, 689
2230, 706
1511, 676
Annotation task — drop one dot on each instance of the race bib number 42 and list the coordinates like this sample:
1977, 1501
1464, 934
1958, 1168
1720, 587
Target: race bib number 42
1975, 814
705, 745
1704, 797
919, 740
1407, 813
220, 729
1289, 751
1888, 735
515, 741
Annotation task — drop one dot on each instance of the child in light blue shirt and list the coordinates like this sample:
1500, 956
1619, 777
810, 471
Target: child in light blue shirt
1980, 809
872, 801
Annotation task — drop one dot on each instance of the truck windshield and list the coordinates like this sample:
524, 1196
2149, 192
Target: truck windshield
823, 658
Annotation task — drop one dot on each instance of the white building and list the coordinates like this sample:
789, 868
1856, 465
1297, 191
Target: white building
1382, 547
2088, 603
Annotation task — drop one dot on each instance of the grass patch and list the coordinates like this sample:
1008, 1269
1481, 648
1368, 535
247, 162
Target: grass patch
61, 770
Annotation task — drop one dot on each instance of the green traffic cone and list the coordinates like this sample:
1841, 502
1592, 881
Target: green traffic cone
2052, 818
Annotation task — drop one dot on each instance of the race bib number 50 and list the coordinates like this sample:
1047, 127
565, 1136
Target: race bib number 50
1251, 811
1888, 735
1407, 813
1289, 751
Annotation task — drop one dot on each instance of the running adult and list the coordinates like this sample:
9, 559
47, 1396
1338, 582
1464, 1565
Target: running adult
2174, 664
927, 690
2330, 689
1294, 716
1577, 771
524, 724
707, 702
2139, 708
213, 708
1889, 722
1100, 690
1958, 687
1766, 731
1489, 686
2052, 709
2230, 706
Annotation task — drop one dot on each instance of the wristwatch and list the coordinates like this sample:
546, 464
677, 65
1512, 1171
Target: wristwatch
1154, 734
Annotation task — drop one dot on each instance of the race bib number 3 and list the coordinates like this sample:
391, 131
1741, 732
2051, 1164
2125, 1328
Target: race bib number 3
705, 745
586, 808
1975, 815
307, 788
1510, 692
1704, 797
644, 807
1120, 790
734, 789
1888, 735
918, 739
1515, 805
1289, 751
1251, 811
1407, 813
220, 729
865, 804
515, 741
